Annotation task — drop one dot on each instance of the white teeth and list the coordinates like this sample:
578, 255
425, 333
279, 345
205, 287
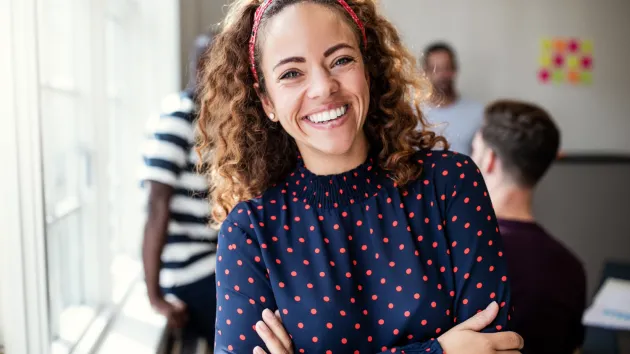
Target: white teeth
328, 115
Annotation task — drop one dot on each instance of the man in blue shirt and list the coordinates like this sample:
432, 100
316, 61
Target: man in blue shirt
454, 117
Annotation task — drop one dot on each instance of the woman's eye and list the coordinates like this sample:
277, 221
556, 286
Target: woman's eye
343, 61
289, 75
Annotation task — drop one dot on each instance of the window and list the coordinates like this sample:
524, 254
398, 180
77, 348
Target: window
122, 43
96, 73
68, 159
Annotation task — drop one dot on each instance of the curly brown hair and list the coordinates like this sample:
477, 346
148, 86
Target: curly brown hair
244, 153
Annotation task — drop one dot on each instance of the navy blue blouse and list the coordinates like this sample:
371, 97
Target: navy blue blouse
356, 264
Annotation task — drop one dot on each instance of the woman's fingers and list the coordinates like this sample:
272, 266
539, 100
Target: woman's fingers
481, 320
277, 328
269, 338
505, 341
259, 350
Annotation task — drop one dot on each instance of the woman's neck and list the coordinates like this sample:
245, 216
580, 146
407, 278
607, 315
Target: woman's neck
324, 164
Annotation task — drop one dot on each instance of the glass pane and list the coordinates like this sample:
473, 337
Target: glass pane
67, 166
65, 274
122, 70
121, 62
61, 150
56, 42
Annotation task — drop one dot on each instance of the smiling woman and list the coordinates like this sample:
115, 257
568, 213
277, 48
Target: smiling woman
316, 91
309, 65
335, 210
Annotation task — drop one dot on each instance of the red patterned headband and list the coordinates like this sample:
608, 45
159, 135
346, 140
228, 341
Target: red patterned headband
259, 14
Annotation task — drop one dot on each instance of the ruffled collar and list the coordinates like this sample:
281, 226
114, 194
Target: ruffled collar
334, 191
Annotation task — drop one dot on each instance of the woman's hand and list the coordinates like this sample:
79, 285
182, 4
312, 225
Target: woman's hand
272, 332
463, 338
466, 337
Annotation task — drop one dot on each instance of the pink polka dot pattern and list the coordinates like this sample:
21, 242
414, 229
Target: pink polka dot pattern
358, 265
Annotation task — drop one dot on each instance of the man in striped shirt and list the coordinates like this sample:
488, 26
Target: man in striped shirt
179, 248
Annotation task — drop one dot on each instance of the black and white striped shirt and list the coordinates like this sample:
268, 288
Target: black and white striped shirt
169, 158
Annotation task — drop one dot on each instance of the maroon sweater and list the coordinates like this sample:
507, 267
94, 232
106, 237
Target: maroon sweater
548, 289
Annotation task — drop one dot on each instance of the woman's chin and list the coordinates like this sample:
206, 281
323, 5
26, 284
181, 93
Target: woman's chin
333, 146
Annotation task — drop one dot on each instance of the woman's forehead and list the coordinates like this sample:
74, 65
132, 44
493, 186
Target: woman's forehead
306, 28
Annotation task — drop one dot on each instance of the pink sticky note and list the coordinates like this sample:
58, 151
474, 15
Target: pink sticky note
574, 45
558, 60
587, 62
544, 75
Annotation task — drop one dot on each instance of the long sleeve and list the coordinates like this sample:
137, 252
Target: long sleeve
357, 264
475, 246
243, 291
428, 347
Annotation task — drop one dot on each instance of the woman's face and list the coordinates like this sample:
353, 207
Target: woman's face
316, 83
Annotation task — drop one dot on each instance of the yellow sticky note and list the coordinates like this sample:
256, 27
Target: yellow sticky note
573, 62
587, 47
545, 61
545, 45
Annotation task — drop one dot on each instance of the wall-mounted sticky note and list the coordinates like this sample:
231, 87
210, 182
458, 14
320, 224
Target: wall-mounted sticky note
558, 60
544, 75
574, 77
587, 62
565, 60
545, 45
545, 61
559, 46
587, 47
573, 62
573, 46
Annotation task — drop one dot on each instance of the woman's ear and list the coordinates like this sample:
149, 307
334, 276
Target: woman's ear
264, 99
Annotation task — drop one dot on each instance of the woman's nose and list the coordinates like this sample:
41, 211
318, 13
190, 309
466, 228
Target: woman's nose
322, 84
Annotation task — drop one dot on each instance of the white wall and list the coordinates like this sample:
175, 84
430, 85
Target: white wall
582, 204
591, 221
5, 67
196, 17
498, 44
1, 334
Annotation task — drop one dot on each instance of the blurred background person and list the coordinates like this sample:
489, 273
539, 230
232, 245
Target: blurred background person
514, 148
456, 117
179, 248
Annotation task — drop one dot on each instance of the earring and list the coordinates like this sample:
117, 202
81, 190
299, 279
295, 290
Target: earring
272, 116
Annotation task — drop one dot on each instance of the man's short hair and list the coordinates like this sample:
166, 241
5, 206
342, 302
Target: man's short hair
439, 47
523, 136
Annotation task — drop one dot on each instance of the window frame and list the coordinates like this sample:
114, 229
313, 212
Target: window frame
24, 283
24, 307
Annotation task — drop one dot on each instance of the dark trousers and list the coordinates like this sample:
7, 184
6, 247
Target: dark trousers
200, 298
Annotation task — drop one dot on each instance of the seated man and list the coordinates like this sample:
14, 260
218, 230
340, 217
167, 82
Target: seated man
514, 148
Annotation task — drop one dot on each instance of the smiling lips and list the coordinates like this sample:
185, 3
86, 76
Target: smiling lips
329, 115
